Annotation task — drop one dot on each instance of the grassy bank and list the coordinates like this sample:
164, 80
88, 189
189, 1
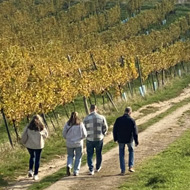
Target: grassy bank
168, 170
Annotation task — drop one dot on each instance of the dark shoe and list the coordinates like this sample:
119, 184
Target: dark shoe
30, 173
131, 170
76, 174
122, 173
68, 171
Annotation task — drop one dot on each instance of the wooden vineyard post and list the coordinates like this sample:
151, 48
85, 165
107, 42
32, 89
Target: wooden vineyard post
56, 118
183, 66
16, 132
142, 91
92, 58
86, 105
154, 88
28, 119
130, 88
157, 78
66, 112
95, 101
139, 71
103, 101
84, 98
51, 120
73, 103
110, 99
44, 120
6, 125
163, 73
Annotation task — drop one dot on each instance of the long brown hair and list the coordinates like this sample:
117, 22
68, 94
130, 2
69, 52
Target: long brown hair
36, 123
74, 119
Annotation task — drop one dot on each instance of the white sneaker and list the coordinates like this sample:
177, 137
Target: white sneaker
91, 172
35, 177
30, 173
97, 170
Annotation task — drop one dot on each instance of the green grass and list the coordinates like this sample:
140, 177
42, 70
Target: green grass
164, 114
15, 162
168, 170
47, 181
148, 110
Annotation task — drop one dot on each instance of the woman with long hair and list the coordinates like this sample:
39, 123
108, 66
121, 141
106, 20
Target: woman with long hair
74, 132
33, 139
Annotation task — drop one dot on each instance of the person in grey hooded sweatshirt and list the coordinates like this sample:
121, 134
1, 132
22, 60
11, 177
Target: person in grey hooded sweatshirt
74, 132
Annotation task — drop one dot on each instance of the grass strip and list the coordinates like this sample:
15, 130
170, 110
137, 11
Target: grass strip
167, 170
156, 119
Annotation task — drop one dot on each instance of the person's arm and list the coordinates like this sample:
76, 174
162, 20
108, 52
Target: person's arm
84, 122
105, 126
44, 133
24, 136
135, 133
115, 127
83, 129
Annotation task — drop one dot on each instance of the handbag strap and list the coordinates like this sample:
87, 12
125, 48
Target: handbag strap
69, 129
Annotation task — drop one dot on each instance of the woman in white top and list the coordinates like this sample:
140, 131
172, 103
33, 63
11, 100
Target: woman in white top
33, 139
74, 132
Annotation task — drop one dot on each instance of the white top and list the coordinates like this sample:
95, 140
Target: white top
74, 135
34, 139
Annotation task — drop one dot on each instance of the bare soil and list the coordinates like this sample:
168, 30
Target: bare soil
153, 140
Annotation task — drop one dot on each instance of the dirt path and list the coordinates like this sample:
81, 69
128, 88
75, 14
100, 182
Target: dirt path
60, 162
152, 141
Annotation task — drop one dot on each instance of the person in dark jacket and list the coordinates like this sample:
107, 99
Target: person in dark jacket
125, 132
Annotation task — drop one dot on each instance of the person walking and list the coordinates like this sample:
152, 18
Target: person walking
125, 132
33, 139
96, 126
74, 132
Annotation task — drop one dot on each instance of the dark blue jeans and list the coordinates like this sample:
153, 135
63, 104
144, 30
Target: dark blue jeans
122, 155
35, 155
90, 146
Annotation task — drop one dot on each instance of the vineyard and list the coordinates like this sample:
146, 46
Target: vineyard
50, 55
54, 51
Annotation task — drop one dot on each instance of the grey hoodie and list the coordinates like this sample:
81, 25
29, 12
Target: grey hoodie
74, 135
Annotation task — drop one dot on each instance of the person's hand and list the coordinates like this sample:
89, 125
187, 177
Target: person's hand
137, 143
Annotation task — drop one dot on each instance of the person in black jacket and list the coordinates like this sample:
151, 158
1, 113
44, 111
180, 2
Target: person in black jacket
124, 132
